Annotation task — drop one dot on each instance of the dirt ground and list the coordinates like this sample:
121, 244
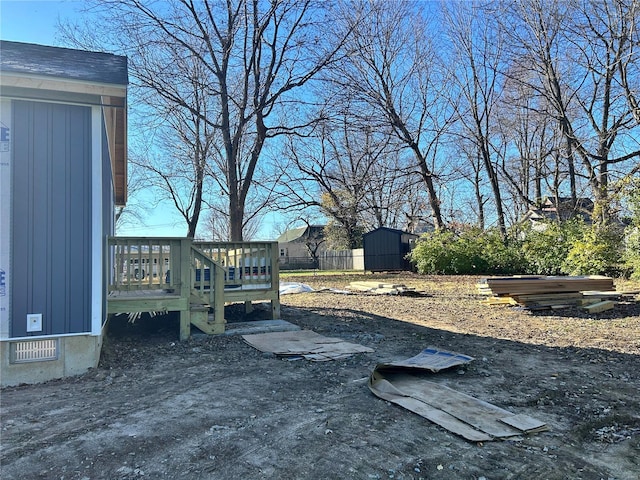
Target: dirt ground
216, 408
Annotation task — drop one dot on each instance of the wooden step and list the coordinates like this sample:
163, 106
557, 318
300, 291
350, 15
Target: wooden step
203, 321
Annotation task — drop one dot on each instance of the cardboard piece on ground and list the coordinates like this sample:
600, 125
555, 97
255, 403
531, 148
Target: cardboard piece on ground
462, 414
431, 358
305, 343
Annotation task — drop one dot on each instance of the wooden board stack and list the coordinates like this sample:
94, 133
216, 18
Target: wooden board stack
595, 293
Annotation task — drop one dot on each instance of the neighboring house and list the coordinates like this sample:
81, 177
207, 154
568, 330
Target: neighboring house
560, 209
63, 171
301, 248
386, 249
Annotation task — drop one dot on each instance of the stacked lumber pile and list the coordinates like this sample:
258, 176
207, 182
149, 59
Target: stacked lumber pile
593, 293
381, 288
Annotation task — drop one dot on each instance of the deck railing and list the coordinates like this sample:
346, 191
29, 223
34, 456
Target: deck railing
154, 263
144, 263
251, 264
151, 273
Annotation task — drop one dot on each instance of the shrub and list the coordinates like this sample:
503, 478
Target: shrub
432, 253
503, 257
596, 252
570, 247
544, 250
470, 251
631, 256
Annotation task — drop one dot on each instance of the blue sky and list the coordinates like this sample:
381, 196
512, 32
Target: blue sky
33, 21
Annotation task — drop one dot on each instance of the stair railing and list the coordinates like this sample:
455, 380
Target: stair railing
207, 281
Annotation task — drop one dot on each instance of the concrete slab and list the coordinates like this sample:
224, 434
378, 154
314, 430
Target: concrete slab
248, 328
260, 326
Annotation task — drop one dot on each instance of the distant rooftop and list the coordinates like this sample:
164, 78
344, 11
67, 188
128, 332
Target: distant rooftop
297, 233
58, 62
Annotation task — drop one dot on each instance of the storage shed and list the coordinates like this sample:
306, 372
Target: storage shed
385, 249
62, 172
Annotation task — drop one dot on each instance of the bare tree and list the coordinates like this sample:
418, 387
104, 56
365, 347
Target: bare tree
533, 142
470, 170
134, 212
476, 60
215, 227
628, 36
582, 55
252, 55
393, 197
181, 167
390, 67
332, 171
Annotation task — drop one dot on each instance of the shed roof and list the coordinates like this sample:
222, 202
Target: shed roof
58, 62
391, 230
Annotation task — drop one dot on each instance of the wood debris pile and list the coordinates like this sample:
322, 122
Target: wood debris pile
381, 288
593, 293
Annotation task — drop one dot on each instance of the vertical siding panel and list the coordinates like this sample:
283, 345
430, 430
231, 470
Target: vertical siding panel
39, 242
52, 217
59, 277
21, 212
108, 215
80, 222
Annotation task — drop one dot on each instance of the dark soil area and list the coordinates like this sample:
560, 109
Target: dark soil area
216, 408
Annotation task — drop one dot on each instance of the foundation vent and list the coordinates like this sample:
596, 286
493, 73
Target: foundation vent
34, 351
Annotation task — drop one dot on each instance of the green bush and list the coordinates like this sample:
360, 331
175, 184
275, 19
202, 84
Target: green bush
471, 251
631, 256
571, 247
544, 250
432, 253
503, 257
596, 252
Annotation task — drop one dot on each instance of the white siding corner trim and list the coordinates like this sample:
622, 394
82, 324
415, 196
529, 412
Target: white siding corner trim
97, 290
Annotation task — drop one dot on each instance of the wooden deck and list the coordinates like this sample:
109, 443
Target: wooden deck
194, 278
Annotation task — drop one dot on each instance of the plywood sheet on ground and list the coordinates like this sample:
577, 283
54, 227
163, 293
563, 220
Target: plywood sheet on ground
462, 414
305, 343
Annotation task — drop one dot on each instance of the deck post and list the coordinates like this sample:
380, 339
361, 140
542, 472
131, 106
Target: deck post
185, 287
218, 304
275, 281
185, 324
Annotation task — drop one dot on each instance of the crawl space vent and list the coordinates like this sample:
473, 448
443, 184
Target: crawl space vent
34, 351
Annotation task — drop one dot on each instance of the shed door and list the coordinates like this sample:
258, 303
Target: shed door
51, 217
